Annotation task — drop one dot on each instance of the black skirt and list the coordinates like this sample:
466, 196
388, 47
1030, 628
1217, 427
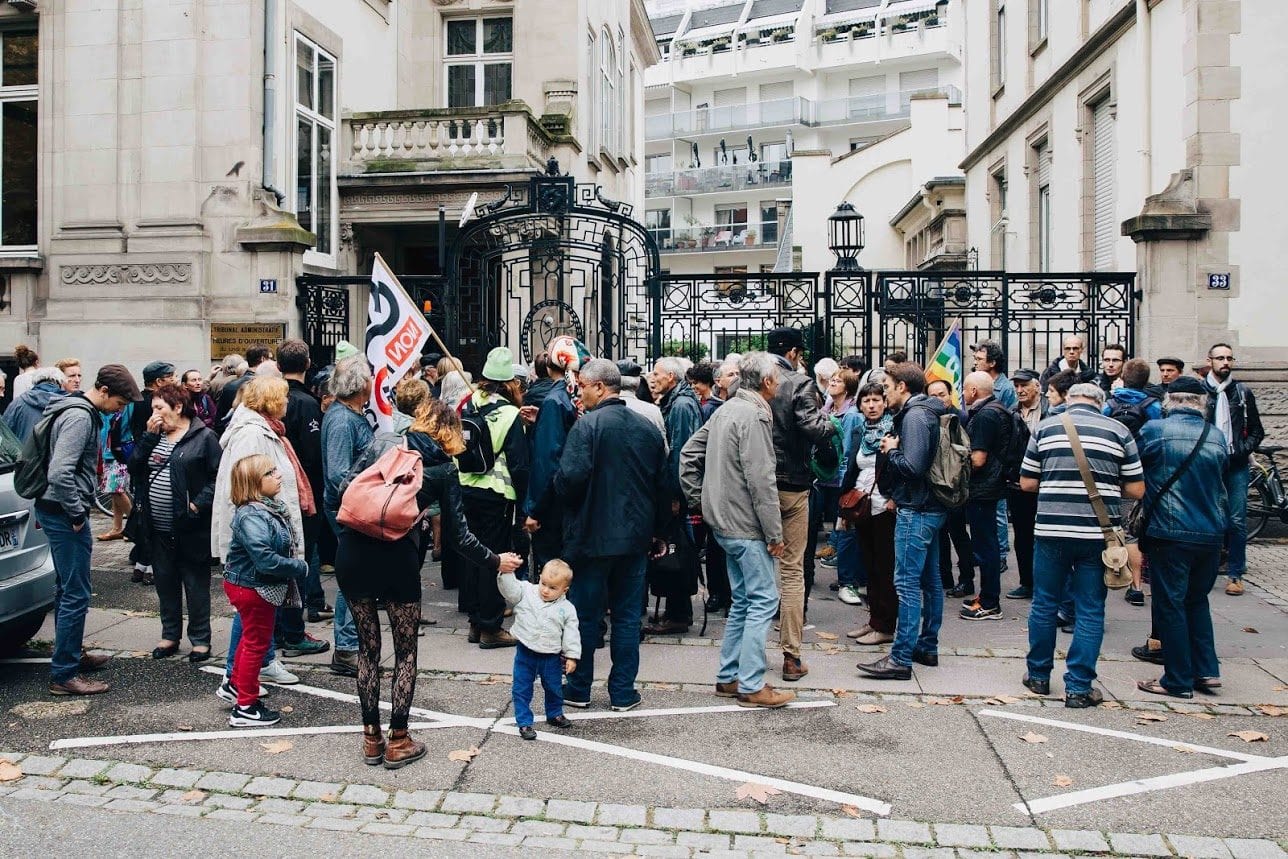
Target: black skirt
367, 568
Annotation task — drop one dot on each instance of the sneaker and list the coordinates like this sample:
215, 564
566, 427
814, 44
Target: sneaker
527, 732
767, 697
978, 612
317, 615
1134, 597
850, 595
1020, 593
573, 702
226, 692
307, 646
629, 705
1235, 588
275, 672
830, 563
254, 716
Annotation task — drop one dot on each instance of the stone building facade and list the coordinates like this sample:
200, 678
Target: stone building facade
173, 166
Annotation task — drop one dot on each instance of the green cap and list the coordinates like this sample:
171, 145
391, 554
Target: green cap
345, 349
500, 365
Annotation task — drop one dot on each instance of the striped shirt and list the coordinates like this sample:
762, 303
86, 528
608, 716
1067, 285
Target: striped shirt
160, 495
1064, 510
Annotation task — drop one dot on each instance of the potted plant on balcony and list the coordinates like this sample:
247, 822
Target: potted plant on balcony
782, 34
749, 238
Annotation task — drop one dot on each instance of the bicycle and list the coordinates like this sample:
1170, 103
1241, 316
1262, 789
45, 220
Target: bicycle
1266, 491
103, 501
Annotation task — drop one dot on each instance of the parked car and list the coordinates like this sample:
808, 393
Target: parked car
27, 578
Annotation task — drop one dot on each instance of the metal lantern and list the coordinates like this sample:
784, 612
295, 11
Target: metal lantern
845, 237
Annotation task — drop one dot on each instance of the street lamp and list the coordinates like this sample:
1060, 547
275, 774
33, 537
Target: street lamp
845, 237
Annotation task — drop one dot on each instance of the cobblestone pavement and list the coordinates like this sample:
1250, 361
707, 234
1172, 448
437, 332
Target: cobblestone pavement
600, 827
1268, 569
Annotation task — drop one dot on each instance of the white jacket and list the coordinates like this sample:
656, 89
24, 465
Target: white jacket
545, 627
248, 433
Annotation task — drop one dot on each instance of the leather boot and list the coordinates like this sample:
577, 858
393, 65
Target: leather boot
493, 640
475, 634
373, 745
402, 749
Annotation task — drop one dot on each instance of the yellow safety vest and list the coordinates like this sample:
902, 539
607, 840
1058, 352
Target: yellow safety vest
498, 423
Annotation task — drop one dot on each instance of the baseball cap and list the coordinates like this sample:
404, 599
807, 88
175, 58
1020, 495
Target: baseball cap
1186, 385
786, 337
119, 382
1025, 376
157, 370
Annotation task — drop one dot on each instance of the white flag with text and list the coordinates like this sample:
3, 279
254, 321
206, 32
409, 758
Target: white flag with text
396, 331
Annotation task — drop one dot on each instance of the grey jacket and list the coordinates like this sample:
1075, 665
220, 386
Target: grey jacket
727, 469
546, 627
73, 456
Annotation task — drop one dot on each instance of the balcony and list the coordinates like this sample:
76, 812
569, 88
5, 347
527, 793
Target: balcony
505, 136
704, 238
721, 120
715, 180
875, 107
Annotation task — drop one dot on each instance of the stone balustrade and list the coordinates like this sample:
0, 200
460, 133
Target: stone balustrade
455, 138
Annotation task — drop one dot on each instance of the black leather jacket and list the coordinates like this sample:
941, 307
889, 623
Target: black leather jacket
799, 424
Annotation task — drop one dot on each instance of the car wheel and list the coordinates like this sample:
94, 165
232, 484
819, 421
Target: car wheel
17, 632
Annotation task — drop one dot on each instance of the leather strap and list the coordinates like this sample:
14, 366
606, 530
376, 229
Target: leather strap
1176, 475
1088, 480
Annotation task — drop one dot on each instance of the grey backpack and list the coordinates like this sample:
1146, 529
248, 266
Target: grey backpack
949, 474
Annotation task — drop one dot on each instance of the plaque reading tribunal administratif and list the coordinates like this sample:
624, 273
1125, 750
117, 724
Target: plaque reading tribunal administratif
227, 338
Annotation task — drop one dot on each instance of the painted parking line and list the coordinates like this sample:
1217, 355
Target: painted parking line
235, 733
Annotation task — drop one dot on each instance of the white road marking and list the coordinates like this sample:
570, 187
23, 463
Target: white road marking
27, 660
597, 715
875, 806
234, 733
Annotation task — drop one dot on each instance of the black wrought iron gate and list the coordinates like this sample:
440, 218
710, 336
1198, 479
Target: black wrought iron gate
326, 305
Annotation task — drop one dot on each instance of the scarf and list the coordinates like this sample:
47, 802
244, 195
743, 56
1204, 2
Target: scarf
308, 506
1065, 365
873, 433
283, 593
1223, 422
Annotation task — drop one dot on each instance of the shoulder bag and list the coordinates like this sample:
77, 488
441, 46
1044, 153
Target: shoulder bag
1136, 522
1114, 557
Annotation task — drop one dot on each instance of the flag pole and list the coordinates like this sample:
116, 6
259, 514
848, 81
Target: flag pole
457, 365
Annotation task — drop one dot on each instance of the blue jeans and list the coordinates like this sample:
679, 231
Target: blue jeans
850, 570
753, 582
1236, 538
71, 551
234, 636
619, 582
1060, 563
1181, 575
528, 666
1003, 536
916, 581
981, 516
314, 596
346, 632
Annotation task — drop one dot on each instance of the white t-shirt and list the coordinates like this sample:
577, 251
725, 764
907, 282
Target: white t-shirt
22, 383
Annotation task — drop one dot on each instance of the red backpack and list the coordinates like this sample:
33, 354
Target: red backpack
380, 501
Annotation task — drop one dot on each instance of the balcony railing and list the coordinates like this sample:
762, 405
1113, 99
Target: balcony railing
713, 180
465, 138
716, 237
717, 120
875, 107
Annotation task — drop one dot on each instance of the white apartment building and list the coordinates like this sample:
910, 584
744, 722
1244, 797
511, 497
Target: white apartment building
170, 167
764, 115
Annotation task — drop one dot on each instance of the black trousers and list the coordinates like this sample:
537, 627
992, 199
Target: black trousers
491, 519
954, 534
180, 570
1024, 514
547, 544
716, 569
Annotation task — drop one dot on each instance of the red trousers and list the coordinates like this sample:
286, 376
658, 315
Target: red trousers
257, 617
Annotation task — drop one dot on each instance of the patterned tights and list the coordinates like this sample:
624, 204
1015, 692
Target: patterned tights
404, 620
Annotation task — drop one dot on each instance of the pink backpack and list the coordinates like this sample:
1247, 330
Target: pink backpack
380, 501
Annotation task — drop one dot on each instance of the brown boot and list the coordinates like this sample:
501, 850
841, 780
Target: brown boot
768, 697
793, 668
475, 634
94, 661
401, 749
499, 638
727, 690
78, 686
373, 745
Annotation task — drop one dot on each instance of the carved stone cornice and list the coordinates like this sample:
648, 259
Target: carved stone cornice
135, 273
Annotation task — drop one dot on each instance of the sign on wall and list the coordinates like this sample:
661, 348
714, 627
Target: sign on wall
227, 338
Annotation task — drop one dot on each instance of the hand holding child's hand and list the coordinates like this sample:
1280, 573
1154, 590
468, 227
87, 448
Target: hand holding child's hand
510, 562
570, 665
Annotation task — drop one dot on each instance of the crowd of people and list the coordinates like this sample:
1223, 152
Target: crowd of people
565, 494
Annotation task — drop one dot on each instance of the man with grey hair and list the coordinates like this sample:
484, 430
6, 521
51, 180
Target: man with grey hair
728, 471
727, 379
632, 378
613, 490
1068, 535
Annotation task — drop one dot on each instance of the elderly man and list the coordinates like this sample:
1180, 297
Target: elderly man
988, 423
614, 493
727, 470
632, 378
683, 415
1185, 461
1069, 536
1071, 350
727, 379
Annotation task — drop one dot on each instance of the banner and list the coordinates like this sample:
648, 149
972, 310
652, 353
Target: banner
396, 331
946, 364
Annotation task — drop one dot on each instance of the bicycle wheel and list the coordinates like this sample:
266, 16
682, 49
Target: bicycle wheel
103, 501
1260, 504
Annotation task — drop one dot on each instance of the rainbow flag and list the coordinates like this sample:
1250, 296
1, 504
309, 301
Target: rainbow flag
947, 362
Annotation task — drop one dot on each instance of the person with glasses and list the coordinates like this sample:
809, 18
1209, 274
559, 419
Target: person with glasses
1071, 359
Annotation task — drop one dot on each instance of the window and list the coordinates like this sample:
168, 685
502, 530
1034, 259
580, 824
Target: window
1041, 13
608, 85
768, 222
592, 123
315, 143
1104, 226
658, 163
1044, 205
18, 123
1000, 221
867, 96
912, 83
773, 154
999, 45
658, 223
479, 56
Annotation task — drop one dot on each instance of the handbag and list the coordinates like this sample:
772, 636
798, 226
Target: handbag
855, 505
136, 528
1114, 556
1136, 523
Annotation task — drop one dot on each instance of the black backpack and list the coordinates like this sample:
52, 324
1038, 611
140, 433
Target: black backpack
1132, 416
478, 456
1017, 444
31, 474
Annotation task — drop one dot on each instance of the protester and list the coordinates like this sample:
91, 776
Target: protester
990, 359
177, 460
874, 533
632, 381
62, 512
727, 379
702, 378
449, 368
1232, 408
683, 416
72, 372
1169, 370
202, 403
1112, 358
227, 398
1186, 509
1071, 350
955, 535
261, 570
540, 385
841, 403
545, 623
727, 471
429, 367
905, 460
799, 425
455, 388
988, 424
231, 367
1069, 539
1033, 409
549, 434
490, 499
28, 362
47, 386
614, 489
824, 370
345, 435
1057, 389
114, 480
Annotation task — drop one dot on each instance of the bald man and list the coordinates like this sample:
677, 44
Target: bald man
988, 423
1071, 349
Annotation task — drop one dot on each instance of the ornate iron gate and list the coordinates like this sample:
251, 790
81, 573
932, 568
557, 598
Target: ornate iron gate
325, 303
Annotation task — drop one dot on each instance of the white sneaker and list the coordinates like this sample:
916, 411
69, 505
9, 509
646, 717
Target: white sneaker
850, 595
227, 693
275, 672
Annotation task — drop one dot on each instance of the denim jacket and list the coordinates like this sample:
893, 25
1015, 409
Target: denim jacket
260, 551
1195, 509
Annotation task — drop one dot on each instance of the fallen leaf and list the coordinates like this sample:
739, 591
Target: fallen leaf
328, 797
916, 705
193, 796
1252, 629
870, 708
827, 636
133, 613
947, 702
851, 811
759, 792
1031, 737
1249, 736
1185, 749
832, 651
1272, 710
277, 747
841, 693
782, 840
1206, 717
1111, 705
1001, 700
1062, 780
1146, 718
184, 727
139, 654
9, 771
463, 755
288, 709
1282, 687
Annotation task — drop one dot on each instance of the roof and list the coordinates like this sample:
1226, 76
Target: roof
937, 182
766, 8
834, 6
716, 16
663, 27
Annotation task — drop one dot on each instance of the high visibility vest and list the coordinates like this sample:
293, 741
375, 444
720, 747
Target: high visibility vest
498, 423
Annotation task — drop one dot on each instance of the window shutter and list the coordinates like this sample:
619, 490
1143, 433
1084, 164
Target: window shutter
1105, 234
1044, 166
